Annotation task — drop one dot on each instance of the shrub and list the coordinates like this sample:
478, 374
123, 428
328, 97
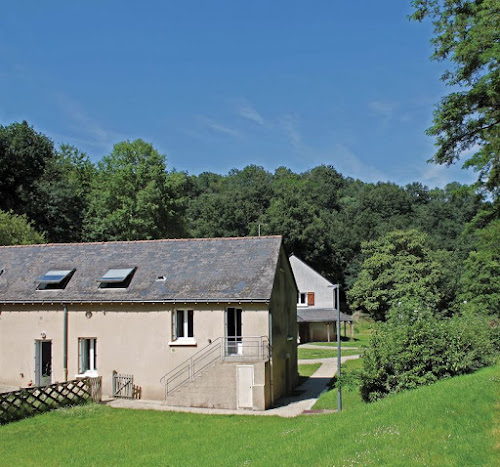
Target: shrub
414, 348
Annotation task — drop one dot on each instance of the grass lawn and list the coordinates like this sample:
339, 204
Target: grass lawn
450, 423
334, 344
308, 369
351, 397
307, 354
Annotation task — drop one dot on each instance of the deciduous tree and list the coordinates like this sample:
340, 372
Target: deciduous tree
467, 121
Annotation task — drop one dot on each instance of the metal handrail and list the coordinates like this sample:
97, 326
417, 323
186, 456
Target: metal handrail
221, 348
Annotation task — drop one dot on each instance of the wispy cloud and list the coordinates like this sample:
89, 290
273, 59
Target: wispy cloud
349, 164
440, 175
247, 111
290, 124
218, 127
86, 128
384, 109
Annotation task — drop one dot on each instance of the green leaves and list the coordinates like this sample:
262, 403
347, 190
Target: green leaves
467, 120
397, 267
16, 230
133, 197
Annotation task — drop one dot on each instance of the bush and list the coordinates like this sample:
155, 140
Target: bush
414, 348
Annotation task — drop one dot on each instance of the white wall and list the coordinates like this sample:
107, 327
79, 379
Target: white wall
308, 280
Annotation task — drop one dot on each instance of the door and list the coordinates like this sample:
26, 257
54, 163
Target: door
233, 332
43, 363
245, 386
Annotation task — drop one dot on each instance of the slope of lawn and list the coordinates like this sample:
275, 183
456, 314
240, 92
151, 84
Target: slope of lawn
308, 354
351, 396
449, 423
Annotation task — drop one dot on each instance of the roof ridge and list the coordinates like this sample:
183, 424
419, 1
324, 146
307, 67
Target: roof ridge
161, 240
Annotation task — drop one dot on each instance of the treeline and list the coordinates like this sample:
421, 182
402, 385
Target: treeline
130, 195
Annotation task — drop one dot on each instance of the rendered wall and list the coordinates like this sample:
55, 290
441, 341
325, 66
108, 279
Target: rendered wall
283, 308
308, 280
131, 339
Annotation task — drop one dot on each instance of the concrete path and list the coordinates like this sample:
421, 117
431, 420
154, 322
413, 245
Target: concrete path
307, 395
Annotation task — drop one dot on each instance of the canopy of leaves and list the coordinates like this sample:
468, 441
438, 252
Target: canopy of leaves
480, 282
16, 230
24, 154
467, 32
133, 197
397, 267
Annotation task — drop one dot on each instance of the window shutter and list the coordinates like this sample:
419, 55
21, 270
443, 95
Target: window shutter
310, 298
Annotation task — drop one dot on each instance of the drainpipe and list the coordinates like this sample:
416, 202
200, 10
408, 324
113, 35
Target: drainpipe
271, 356
65, 343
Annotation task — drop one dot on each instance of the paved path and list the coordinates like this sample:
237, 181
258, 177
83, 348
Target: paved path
307, 395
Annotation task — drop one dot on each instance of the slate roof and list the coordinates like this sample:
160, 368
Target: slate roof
320, 315
217, 269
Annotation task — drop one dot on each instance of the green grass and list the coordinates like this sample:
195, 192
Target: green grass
451, 423
308, 354
351, 397
334, 344
307, 369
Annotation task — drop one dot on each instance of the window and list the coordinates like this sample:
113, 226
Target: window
302, 298
183, 324
87, 355
55, 279
116, 278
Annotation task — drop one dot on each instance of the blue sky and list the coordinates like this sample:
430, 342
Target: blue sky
217, 85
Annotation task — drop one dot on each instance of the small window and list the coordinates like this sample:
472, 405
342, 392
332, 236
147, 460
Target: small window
183, 324
87, 355
55, 279
116, 278
302, 299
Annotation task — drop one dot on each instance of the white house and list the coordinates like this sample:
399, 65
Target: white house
198, 322
317, 304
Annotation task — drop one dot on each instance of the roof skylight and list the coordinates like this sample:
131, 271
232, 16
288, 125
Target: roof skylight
55, 279
116, 278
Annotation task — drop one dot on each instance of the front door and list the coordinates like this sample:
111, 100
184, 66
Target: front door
233, 332
43, 363
245, 386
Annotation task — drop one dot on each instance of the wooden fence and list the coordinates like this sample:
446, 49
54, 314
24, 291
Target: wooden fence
31, 401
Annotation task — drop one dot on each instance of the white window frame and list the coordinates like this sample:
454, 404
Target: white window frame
302, 299
87, 356
181, 333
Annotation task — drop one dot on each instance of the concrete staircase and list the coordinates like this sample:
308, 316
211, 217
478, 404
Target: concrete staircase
214, 387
